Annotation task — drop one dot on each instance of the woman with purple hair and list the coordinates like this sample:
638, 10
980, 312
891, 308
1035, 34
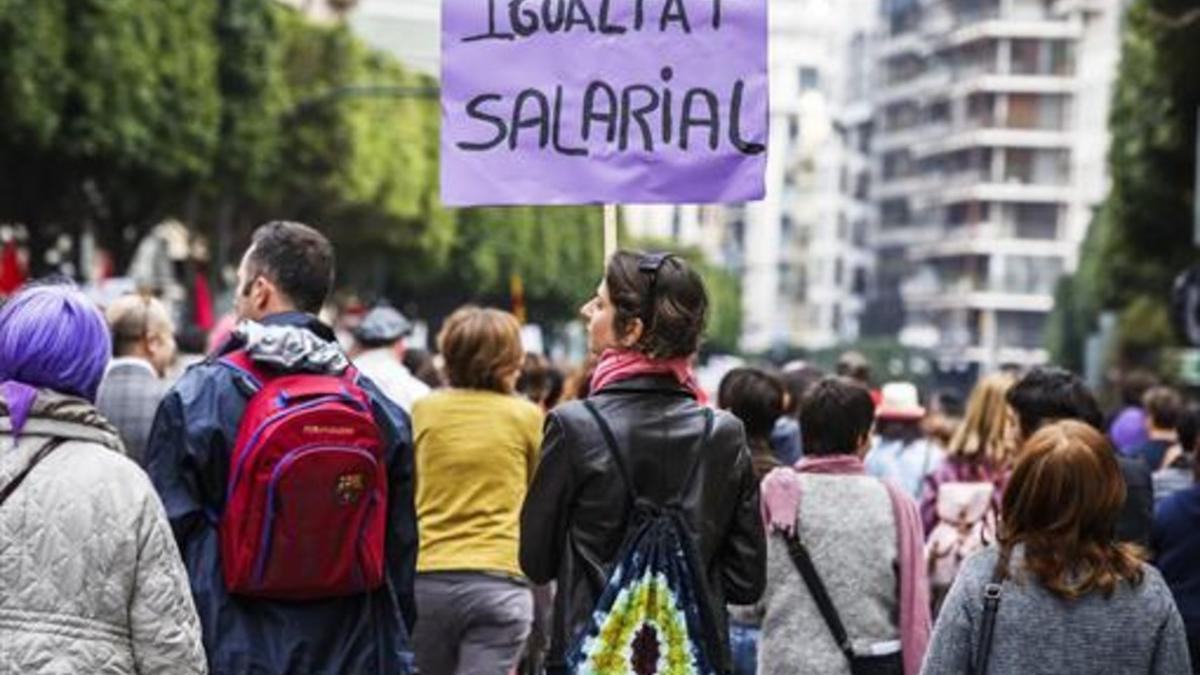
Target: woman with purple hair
91, 580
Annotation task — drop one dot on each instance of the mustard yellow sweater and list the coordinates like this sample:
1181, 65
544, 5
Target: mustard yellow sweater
475, 456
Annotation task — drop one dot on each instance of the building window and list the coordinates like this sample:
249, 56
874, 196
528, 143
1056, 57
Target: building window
809, 78
862, 186
980, 110
894, 213
1043, 57
860, 233
860, 281
1023, 330
966, 213
1031, 275
1037, 166
1036, 221
865, 131
938, 112
896, 164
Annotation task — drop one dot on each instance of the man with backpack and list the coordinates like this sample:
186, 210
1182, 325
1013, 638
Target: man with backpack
288, 482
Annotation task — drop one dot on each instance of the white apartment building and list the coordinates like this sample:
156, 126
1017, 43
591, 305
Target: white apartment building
802, 253
990, 159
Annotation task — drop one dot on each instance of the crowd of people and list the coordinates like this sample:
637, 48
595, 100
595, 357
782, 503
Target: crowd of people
289, 506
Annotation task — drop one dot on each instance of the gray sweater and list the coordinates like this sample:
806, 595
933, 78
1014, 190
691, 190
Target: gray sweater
846, 523
1135, 631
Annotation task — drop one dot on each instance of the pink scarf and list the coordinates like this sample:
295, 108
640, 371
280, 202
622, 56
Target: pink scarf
616, 365
781, 502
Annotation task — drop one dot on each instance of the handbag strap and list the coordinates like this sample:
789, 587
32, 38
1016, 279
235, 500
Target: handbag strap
41, 454
987, 627
804, 564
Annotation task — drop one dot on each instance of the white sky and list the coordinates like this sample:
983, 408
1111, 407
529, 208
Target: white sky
407, 28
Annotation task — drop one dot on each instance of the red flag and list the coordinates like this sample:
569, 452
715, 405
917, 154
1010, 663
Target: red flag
12, 273
203, 298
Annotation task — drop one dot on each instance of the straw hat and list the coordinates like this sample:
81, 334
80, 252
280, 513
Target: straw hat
901, 401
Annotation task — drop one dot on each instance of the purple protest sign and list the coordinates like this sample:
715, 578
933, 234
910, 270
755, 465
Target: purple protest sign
603, 101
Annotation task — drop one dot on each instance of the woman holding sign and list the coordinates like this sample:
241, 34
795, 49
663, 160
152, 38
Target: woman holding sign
644, 507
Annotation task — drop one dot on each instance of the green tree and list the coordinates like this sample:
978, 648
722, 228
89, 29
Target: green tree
1142, 236
110, 111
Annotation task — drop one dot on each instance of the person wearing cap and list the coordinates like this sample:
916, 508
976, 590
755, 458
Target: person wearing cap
380, 344
901, 451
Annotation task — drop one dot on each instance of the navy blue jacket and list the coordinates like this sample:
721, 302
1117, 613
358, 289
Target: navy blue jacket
1176, 544
187, 457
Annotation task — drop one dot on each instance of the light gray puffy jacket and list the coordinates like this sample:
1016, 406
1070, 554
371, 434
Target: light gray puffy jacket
90, 578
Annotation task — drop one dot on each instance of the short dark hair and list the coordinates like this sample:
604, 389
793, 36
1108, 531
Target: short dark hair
297, 259
1188, 427
1163, 406
674, 318
1049, 394
755, 397
1135, 384
797, 381
835, 415
423, 367
854, 366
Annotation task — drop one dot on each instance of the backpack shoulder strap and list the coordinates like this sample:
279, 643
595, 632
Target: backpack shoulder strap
804, 565
257, 377
20, 477
239, 361
610, 441
709, 423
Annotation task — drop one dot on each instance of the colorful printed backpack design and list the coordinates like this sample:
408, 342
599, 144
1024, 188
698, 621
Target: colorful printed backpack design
306, 502
652, 617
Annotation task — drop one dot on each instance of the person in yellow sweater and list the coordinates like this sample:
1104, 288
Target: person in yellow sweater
477, 446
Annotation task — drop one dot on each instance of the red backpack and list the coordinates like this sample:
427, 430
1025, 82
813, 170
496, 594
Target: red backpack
306, 502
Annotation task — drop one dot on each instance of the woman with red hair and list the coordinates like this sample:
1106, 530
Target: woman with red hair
1060, 594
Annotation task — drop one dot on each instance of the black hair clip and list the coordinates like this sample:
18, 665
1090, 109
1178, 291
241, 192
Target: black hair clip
650, 264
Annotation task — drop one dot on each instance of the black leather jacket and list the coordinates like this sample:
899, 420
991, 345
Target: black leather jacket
573, 520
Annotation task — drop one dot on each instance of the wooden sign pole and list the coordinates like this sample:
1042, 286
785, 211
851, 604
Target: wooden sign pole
610, 231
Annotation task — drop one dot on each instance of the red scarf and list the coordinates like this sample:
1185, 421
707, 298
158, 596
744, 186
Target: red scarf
617, 365
780, 505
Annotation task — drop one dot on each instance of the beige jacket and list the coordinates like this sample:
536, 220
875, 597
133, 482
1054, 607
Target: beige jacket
90, 577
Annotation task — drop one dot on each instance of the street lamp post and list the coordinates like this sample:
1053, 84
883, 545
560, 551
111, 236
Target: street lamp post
1196, 189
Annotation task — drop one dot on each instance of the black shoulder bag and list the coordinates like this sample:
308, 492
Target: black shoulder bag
15, 483
987, 625
886, 664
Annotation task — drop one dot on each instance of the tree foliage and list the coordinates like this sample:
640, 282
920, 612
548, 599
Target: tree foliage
1142, 236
